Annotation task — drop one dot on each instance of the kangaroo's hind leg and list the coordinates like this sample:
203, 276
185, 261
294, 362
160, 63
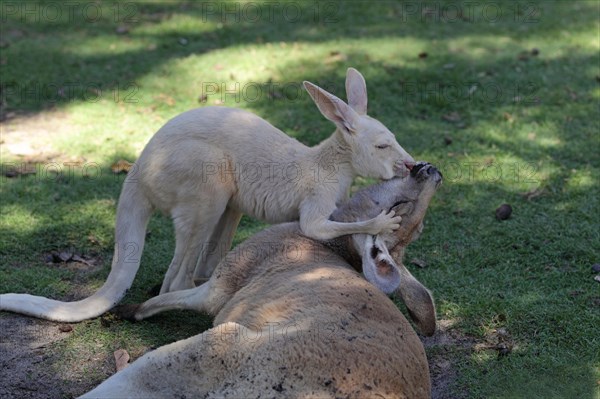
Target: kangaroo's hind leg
218, 246
197, 299
194, 222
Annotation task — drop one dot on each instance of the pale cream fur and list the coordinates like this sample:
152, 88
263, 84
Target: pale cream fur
293, 319
208, 166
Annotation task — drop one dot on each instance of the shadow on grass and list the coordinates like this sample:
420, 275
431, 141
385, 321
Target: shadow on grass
76, 72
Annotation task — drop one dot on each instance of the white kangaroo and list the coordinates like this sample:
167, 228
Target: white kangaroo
294, 320
208, 166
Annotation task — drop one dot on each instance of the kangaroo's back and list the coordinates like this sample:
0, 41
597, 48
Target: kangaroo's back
259, 165
239, 132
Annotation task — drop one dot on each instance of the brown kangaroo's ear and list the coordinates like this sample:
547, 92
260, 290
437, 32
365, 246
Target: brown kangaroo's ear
418, 301
378, 266
332, 108
356, 91
381, 270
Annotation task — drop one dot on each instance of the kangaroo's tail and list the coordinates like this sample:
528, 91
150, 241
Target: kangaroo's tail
133, 212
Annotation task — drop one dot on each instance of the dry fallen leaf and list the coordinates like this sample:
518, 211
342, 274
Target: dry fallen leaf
451, 117
19, 170
65, 256
335, 56
121, 359
418, 262
77, 258
165, 99
121, 166
529, 195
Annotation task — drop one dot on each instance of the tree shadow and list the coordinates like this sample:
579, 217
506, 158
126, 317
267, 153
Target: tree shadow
107, 41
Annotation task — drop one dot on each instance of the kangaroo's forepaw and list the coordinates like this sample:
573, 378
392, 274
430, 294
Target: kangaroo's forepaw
386, 223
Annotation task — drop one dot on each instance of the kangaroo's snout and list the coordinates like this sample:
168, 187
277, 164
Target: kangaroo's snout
424, 170
404, 163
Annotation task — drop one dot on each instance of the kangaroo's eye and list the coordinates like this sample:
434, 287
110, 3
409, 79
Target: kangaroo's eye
382, 146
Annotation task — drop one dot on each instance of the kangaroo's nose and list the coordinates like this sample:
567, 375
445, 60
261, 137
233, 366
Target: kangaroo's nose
409, 165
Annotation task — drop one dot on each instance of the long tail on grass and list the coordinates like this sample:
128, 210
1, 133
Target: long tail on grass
133, 212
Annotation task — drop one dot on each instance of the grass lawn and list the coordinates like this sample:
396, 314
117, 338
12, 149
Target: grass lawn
502, 96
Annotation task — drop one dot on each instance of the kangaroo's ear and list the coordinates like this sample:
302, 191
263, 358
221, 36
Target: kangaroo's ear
416, 297
333, 108
418, 301
378, 266
356, 91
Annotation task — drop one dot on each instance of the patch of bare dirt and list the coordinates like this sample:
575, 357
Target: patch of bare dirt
32, 365
444, 351
29, 366
28, 136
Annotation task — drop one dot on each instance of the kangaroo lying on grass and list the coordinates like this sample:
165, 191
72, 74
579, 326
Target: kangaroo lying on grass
292, 317
209, 165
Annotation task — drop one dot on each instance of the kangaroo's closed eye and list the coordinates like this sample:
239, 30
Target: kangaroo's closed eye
382, 146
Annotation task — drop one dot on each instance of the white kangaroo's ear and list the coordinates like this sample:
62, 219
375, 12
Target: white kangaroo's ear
356, 91
332, 108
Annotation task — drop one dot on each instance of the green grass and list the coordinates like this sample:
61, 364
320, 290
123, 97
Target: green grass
526, 122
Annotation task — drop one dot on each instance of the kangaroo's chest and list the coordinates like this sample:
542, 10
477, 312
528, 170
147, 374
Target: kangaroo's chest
276, 198
269, 200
